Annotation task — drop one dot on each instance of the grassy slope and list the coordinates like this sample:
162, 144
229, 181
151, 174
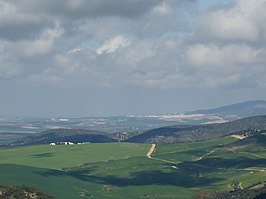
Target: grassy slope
40, 166
62, 156
121, 170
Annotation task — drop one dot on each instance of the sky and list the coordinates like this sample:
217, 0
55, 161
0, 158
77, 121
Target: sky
80, 58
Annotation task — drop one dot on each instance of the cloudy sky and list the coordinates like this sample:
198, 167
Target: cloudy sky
78, 58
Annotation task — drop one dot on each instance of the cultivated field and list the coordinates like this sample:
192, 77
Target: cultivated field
122, 170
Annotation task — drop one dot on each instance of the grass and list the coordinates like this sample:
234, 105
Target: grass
170, 148
62, 156
189, 151
122, 170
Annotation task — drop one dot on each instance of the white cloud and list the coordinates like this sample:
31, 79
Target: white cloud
139, 52
220, 66
231, 26
213, 56
113, 44
42, 45
67, 66
226, 49
162, 9
242, 22
52, 33
74, 50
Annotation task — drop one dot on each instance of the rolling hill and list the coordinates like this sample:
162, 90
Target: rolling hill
252, 139
175, 134
66, 135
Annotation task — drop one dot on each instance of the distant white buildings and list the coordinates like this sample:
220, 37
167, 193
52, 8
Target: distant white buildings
61, 143
67, 143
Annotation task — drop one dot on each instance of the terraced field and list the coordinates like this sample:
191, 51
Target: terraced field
122, 170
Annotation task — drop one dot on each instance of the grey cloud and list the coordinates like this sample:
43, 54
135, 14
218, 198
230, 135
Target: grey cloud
156, 49
92, 8
20, 31
17, 24
26, 19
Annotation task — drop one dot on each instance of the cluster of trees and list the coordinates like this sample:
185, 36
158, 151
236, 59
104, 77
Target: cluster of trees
22, 192
256, 191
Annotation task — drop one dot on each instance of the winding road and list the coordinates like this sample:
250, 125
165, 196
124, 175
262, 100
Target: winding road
151, 150
149, 155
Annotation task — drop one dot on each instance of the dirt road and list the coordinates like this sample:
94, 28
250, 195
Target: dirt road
153, 146
151, 150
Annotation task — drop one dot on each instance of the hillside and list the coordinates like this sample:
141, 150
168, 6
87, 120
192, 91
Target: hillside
175, 134
253, 139
66, 135
241, 110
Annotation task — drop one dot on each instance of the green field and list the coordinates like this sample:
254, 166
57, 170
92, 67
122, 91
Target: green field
122, 170
63, 156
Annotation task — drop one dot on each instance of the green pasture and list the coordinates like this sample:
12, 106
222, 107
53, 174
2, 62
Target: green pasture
189, 151
170, 148
122, 170
62, 156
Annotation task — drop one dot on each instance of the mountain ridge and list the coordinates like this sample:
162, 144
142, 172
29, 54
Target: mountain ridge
242, 109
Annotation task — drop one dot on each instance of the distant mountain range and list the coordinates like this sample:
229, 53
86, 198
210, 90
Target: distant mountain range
239, 110
213, 116
134, 123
